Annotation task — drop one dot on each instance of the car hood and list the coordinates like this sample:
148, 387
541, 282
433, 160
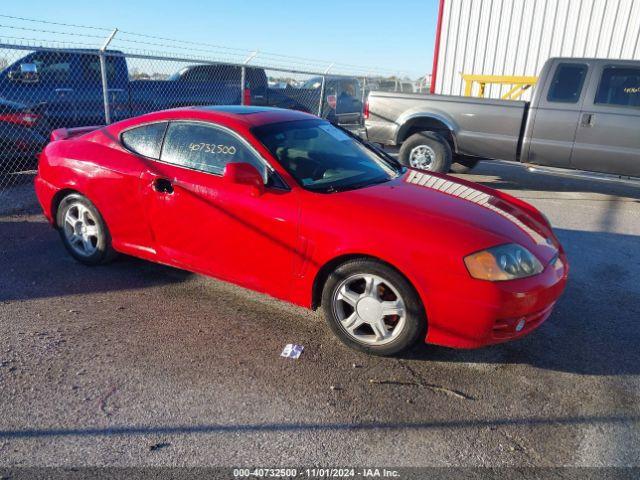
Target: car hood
436, 201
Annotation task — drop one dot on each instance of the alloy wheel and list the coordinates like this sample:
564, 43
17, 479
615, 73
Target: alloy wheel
422, 157
369, 308
81, 229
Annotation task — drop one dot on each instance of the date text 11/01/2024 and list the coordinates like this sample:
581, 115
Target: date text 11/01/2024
316, 472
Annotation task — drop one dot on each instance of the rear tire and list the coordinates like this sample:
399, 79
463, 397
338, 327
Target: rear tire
371, 307
83, 231
426, 151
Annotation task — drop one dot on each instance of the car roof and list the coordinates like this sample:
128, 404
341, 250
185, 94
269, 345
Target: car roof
249, 116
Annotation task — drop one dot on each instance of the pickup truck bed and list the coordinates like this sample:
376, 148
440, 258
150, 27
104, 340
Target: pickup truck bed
478, 127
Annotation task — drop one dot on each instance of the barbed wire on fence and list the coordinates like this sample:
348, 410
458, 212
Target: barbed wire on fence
212, 50
57, 75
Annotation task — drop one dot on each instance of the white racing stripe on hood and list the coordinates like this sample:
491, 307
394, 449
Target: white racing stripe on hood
472, 195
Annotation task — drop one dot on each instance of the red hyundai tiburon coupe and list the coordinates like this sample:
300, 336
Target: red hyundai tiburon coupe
285, 203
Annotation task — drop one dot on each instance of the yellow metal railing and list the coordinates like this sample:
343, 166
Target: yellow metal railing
519, 85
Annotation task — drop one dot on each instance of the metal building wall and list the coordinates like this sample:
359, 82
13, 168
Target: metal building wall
515, 37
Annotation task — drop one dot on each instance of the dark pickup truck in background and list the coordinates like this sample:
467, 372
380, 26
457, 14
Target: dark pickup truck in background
66, 87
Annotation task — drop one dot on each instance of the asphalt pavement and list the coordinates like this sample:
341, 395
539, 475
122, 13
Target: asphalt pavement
140, 364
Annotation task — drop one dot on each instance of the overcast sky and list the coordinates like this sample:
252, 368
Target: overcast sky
381, 35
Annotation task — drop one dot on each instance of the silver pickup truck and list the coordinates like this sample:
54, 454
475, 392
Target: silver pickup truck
584, 116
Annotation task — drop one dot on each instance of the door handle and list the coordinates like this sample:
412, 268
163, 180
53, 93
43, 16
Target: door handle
162, 185
587, 120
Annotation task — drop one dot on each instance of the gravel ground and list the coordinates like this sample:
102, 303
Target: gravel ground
139, 364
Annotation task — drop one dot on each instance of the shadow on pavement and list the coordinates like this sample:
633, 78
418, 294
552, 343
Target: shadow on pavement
295, 427
593, 330
34, 264
506, 176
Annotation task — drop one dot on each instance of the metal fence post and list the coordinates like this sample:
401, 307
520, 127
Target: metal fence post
322, 89
321, 101
243, 83
243, 76
103, 74
364, 86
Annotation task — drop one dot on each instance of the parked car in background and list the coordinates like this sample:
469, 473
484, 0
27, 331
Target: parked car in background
290, 205
390, 85
69, 82
342, 104
23, 134
584, 116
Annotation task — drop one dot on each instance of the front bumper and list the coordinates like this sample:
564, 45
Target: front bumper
481, 313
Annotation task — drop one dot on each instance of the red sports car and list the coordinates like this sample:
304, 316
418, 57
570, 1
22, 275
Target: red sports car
285, 203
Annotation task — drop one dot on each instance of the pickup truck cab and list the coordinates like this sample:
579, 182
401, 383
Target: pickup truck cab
584, 116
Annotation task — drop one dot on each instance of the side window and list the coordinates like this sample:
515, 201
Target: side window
197, 74
205, 148
145, 140
213, 73
90, 68
256, 78
567, 83
52, 66
619, 86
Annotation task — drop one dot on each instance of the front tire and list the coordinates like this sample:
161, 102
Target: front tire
426, 151
372, 308
83, 231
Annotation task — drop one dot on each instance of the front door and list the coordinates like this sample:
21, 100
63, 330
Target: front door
203, 223
557, 115
607, 135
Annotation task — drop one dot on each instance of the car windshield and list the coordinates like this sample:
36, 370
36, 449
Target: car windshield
324, 158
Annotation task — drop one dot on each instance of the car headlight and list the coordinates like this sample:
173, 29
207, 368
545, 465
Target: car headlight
504, 262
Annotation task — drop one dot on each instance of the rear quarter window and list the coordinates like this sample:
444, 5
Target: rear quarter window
145, 140
619, 86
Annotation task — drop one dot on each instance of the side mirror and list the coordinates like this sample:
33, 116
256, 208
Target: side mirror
244, 174
27, 73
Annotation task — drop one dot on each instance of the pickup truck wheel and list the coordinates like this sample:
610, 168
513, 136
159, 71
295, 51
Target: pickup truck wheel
426, 151
463, 166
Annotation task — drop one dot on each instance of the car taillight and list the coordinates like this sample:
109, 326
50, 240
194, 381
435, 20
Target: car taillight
246, 96
365, 112
332, 100
25, 119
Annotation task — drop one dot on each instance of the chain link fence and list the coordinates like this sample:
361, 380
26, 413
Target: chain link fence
45, 86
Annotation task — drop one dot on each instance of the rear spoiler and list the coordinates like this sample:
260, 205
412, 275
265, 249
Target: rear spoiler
67, 133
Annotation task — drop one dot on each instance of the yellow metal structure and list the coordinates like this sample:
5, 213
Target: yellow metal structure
519, 85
